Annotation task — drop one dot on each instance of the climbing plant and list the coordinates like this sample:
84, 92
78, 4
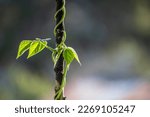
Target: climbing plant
62, 55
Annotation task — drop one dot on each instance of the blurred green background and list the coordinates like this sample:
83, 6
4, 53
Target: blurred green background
111, 37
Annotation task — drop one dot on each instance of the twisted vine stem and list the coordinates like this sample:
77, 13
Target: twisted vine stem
61, 12
60, 34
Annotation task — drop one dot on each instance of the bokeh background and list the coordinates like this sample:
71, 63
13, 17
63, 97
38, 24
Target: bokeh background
111, 37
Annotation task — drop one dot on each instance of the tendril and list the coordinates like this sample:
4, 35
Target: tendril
63, 11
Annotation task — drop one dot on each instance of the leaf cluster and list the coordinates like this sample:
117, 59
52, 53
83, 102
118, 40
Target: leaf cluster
36, 46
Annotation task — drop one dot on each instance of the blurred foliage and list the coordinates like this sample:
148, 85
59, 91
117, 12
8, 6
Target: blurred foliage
20, 83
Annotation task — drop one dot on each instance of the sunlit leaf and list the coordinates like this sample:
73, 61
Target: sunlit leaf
75, 54
23, 47
69, 54
36, 47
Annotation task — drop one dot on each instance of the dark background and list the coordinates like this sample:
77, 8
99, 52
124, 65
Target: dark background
111, 37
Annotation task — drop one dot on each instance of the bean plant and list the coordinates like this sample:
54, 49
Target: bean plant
62, 55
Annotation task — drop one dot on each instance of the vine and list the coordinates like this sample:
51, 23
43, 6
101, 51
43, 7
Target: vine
62, 55
60, 34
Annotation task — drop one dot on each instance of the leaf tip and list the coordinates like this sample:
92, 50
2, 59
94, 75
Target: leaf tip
17, 57
28, 57
79, 63
77, 59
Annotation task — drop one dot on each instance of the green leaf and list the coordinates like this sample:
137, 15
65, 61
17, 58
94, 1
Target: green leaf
36, 47
23, 47
75, 54
69, 54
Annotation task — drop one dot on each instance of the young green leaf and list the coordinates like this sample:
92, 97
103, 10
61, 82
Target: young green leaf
23, 47
36, 47
75, 54
69, 54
